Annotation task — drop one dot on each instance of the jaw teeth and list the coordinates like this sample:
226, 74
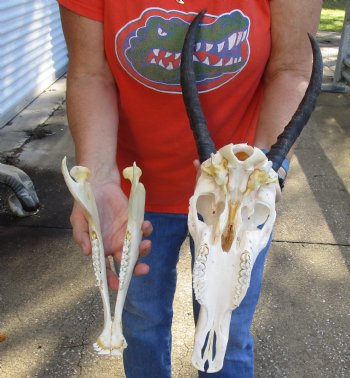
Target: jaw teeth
232, 41
221, 46
239, 37
208, 46
168, 67
219, 63
160, 59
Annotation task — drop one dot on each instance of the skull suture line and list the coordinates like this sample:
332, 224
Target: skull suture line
232, 211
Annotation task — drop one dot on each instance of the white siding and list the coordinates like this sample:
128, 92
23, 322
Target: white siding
32, 52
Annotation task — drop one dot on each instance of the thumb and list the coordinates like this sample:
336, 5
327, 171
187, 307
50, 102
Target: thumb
196, 164
80, 229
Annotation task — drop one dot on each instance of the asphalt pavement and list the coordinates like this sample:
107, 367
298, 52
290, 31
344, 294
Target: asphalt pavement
51, 311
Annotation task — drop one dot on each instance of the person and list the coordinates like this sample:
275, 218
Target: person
124, 104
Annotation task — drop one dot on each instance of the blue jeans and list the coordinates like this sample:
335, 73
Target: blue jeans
148, 310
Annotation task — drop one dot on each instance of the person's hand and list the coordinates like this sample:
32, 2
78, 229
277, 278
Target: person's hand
112, 206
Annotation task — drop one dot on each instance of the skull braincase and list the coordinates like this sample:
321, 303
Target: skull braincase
231, 216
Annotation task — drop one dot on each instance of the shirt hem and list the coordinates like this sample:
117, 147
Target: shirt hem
181, 209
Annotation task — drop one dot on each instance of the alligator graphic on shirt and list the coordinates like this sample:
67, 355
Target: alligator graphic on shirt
149, 48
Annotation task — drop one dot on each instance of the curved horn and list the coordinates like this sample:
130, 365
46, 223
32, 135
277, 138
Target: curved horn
291, 132
21, 185
198, 123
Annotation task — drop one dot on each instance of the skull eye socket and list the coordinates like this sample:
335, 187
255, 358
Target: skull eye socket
256, 217
208, 209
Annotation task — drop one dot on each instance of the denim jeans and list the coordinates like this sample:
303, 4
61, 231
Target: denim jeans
148, 310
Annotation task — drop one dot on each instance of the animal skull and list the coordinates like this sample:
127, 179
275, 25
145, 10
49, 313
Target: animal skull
235, 197
111, 341
231, 216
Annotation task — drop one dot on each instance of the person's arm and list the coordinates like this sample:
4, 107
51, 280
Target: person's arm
289, 68
91, 96
93, 120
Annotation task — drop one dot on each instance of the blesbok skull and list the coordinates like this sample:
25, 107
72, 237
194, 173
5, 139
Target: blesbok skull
231, 217
111, 341
232, 211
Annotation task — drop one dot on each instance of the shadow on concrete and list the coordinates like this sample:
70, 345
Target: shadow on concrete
301, 326
48, 303
55, 201
322, 149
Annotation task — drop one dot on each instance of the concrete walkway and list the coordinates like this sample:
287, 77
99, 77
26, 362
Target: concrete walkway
50, 310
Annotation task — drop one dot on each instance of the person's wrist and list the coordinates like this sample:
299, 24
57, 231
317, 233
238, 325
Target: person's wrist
106, 175
101, 172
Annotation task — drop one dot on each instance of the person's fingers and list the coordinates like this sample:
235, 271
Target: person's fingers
145, 247
112, 279
146, 228
141, 269
81, 231
197, 166
278, 192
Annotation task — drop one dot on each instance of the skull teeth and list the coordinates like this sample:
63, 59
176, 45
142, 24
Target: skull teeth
201, 259
204, 250
245, 257
96, 261
125, 259
243, 278
199, 272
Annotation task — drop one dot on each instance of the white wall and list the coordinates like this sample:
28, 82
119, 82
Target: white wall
32, 52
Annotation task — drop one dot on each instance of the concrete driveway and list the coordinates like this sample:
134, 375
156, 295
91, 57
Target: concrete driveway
50, 310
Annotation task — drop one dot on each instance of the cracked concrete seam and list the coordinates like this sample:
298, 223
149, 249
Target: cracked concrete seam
12, 156
311, 243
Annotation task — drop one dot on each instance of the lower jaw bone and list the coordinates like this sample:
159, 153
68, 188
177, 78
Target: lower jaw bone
111, 341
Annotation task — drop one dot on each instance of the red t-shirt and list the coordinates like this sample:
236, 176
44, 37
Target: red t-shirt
143, 41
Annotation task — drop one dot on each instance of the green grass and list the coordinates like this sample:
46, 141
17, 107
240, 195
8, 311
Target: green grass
332, 15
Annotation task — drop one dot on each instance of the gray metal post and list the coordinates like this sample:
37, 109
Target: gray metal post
342, 70
344, 50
